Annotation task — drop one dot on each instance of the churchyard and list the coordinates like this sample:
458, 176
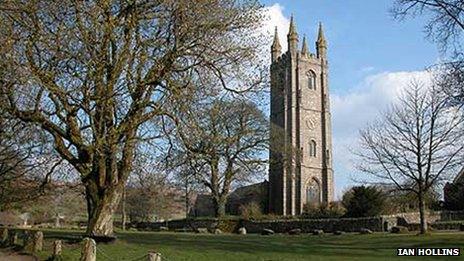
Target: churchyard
190, 246
187, 130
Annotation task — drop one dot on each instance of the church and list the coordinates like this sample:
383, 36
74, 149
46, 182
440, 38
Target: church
300, 158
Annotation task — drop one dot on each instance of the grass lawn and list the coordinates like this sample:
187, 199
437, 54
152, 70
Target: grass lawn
185, 246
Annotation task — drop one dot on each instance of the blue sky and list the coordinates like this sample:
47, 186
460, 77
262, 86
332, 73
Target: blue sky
372, 58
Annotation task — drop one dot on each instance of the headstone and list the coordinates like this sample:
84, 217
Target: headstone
365, 231
295, 231
242, 231
57, 248
37, 240
267, 232
4, 237
89, 250
152, 256
318, 232
217, 231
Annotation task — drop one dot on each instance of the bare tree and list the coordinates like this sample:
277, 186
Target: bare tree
415, 146
222, 143
446, 19
26, 164
150, 193
445, 27
96, 74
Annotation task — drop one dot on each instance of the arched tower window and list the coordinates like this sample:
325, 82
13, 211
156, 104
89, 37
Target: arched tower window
313, 193
311, 80
312, 148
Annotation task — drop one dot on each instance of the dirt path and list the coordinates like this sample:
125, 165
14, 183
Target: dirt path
8, 256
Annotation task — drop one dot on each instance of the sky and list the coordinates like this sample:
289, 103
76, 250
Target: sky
372, 57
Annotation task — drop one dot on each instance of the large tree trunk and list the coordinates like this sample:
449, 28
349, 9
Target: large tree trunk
123, 207
422, 214
219, 207
101, 205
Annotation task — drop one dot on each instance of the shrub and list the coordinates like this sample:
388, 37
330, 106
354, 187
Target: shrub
228, 225
364, 201
331, 210
251, 210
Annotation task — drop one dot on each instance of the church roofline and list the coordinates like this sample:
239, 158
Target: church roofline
460, 177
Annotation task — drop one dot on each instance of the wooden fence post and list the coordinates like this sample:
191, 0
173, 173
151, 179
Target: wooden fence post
152, 256
89, 250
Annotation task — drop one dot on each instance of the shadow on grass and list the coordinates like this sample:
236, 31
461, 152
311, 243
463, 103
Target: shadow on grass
186, 246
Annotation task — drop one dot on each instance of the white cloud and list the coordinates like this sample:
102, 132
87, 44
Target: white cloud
275, 17
360, 105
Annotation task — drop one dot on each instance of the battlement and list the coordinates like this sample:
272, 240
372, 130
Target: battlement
294, 48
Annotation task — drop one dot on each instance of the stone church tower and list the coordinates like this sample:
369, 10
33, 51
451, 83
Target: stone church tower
300, 170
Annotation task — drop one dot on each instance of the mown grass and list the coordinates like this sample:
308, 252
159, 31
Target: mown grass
186, 246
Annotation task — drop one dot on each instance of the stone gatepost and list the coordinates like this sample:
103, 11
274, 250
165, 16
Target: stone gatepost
4, 237
37, 241
57, 249
89, 250
28, 243
13, 238
152, 256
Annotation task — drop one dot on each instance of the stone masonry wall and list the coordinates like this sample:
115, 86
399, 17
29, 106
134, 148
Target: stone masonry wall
308, 225
279, 226
376, 224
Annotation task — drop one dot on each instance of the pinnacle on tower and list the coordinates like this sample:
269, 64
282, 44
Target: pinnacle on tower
304, 49
292, 36
320, 37
276, 43
276, 48
292, 29
321, 43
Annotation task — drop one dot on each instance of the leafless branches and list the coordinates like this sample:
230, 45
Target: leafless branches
222, 143
417, 144
446, 19
96, 75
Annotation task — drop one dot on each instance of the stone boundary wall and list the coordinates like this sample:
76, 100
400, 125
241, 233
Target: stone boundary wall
279, 226
432, 216
185, 224
375, 224
451, 215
